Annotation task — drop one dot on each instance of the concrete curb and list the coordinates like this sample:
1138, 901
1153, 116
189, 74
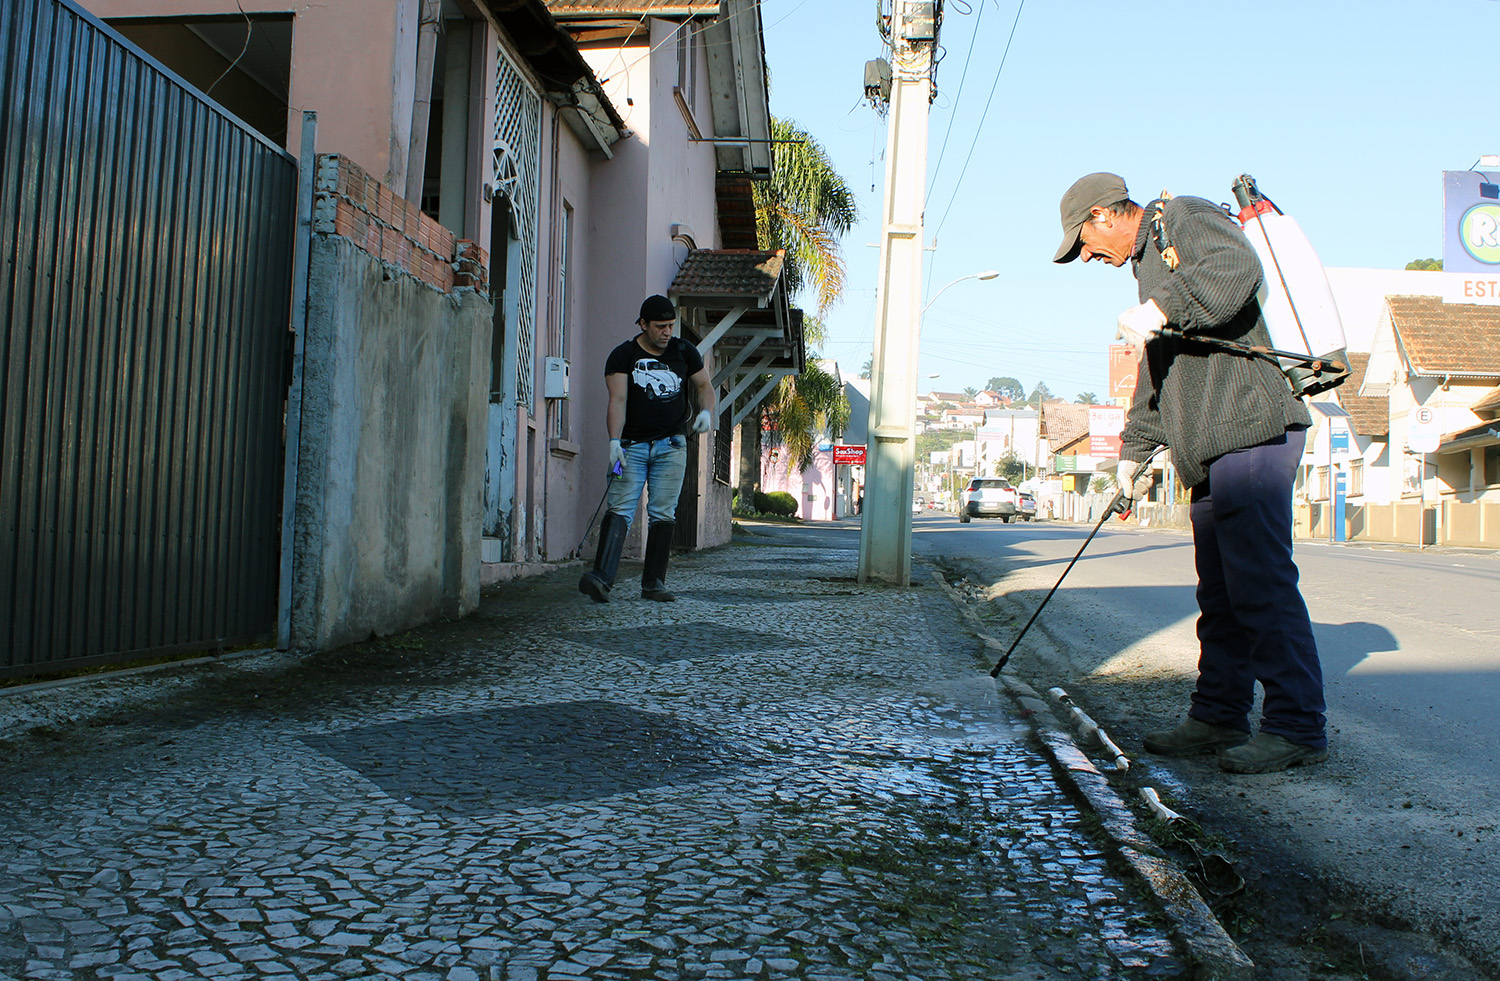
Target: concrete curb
1214, 953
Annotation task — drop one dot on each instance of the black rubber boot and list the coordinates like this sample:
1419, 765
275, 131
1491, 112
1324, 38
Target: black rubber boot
658, 553
597, 582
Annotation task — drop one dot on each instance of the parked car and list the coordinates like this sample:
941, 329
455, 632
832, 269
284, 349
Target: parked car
917, 504
989, 497
1026, 505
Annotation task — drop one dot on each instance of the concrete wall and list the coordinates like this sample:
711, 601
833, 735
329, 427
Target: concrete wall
1475, 524
715, 515
1461, 524
392, 450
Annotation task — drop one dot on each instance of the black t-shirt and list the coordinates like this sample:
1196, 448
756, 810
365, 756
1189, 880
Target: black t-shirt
656, 403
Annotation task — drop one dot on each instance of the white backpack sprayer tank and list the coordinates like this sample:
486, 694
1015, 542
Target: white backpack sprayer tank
1306, 333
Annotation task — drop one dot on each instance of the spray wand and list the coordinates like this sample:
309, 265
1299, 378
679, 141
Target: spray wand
614, 472
1116, 506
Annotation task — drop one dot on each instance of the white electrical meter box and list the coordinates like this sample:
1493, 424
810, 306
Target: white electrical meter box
920, 21
555, 380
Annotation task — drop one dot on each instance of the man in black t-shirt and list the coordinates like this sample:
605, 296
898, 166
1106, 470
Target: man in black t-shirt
648, 415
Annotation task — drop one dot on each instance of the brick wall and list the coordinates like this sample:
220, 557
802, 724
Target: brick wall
351, 204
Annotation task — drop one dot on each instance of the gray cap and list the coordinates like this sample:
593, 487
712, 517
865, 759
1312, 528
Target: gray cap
1095, 190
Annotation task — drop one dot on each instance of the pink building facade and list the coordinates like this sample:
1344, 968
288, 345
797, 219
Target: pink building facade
586, 173
815, 486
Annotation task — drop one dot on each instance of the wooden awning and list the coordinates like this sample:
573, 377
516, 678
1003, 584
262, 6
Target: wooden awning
735, 301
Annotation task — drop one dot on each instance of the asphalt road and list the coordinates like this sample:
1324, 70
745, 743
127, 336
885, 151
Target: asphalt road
1403, 817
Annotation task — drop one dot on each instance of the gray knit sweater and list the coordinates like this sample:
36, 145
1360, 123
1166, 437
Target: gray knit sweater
1200, 401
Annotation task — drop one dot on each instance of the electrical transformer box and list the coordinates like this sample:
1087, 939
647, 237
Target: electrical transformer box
921, 21
555, 379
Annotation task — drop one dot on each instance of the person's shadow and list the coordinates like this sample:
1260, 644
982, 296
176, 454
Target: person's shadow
1344, 646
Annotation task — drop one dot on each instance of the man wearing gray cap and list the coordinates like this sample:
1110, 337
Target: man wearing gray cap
1236, 433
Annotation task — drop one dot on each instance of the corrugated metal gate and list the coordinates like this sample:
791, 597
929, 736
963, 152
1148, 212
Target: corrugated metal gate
145, 278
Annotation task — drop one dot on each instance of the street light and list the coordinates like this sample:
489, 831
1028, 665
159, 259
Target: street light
885, 534
987, 274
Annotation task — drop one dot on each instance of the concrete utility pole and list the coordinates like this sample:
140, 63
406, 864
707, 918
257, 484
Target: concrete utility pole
885, 532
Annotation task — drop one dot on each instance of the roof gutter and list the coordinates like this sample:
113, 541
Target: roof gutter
568, 80
1446, 374
623, 10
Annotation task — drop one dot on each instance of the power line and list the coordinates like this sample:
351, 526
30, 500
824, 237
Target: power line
686, 22
958, 96
982, 116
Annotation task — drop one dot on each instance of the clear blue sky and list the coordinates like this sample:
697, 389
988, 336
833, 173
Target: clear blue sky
1345, 112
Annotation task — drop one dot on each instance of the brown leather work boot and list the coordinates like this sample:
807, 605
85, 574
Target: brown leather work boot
1193, 738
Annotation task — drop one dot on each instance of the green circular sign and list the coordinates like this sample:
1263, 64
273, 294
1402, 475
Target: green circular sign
1479, 230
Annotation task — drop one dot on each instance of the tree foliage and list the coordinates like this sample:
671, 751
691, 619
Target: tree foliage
1088, 398
804, 208
970, 394
1006, 388
1011, 467
1426, 265
807, 407
938, 440
1039, 395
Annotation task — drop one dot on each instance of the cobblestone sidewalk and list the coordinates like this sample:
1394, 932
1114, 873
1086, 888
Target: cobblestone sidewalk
782, 775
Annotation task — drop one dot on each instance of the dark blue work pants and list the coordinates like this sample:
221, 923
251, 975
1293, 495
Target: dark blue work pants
1253, 624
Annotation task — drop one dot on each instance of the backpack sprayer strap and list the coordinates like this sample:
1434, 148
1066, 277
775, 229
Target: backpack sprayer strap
1159, 234
1163, 242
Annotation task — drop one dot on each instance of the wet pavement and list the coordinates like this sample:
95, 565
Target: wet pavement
782, 775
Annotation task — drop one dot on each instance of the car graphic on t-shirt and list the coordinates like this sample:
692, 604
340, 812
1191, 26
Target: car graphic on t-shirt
656, 379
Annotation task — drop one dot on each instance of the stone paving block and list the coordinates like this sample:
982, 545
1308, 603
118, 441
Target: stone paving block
770, 795
520, 755
688, 641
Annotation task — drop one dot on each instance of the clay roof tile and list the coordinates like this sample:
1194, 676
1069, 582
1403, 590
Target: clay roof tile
1370, 414
1447, 338
729, 272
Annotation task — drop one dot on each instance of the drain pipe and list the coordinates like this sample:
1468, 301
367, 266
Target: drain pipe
421, 109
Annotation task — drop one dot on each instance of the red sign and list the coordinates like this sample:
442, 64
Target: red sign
1122, 370
849, 455
1106, 422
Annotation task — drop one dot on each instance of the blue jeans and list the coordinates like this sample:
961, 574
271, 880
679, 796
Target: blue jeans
1253, 624
657, 466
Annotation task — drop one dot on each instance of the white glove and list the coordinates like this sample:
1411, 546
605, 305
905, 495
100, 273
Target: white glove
1135, 489
703, 421
1137, 324
616, 456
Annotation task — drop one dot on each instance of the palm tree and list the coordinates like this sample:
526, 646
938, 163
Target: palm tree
804, 208
808, 406
1088, 398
